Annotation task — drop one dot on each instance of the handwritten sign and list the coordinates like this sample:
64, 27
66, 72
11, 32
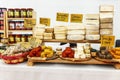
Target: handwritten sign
29, 23
76, 18
62, 17
107, 41
45, 21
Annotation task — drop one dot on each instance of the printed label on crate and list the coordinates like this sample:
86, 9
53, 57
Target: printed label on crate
76, 18
45, 21
107, 41
29, 23
62, 17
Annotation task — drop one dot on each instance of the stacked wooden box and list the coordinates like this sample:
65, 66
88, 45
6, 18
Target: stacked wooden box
92, 26
106, 19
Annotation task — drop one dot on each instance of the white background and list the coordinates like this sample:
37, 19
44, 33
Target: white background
49, 8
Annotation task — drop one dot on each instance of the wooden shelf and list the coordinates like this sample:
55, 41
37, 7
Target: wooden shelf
72, 41
19, 18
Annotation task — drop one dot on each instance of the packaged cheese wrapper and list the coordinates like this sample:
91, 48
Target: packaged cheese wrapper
106, 25
92, 16
95, 27
92, 31
106, 31
48, 34
92, 37
73, 26
75, 37
106, 17
76, 32
92, 22
109, 8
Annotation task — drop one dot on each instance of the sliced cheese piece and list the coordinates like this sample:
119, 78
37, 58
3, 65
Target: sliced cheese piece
92, 22
92, 37
75, 37
92, 31
106, 31
95, 27
76, 32
76, 26
104, 8
48, 34
106, 25
92, 16
106, 17
47, 37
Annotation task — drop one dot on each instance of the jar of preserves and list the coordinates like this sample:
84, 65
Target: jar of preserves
17, 13
3, 9
11, 38
18, 38
23, 38
2, 27
17, 25
29, 36
11, 25
10, 13
22, 25
29, 12
23, 13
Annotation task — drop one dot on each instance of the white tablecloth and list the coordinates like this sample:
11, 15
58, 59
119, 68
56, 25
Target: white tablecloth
57, 72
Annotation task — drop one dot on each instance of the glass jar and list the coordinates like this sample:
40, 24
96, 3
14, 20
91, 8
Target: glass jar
23, 13
29, 12
10, 13
22, 25
23, 38
11, 38
17, 13
3, 9
17, 37
17, 25
29, 36
11, 25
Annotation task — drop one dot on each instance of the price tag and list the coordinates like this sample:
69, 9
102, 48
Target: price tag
107, 41
45, 21
29, 23
76, 18
62, 17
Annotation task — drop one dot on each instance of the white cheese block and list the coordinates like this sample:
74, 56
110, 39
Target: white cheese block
76, 32
106, 25
39, 37
73, 26
60, 28
47, 37
75, 37
92, 31
60, 32
92, 16
106, 8
92, 22
106, 31
48, 34
95, 27
106, 17
92, 37
60, 36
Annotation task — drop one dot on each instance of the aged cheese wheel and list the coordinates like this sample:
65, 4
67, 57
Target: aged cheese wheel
95, 27
92, 37
75, 37
92, 16
106, 25
77, 26
106, 17
92, 22
76, 32
92, 31
106, 31
106, 8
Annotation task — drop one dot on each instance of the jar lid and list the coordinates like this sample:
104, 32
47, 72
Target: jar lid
10, 9
17, 9
29, 9
23, 9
